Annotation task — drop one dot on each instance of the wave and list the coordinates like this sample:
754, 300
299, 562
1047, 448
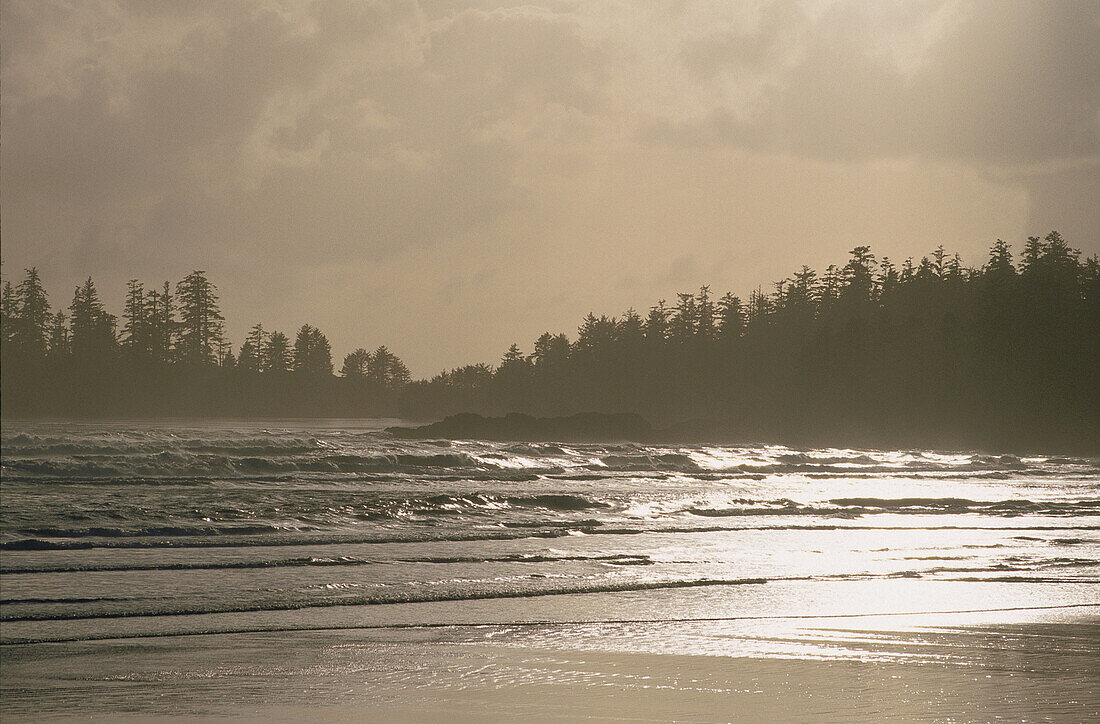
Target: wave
541, 587
188, 465
851, 507
150, 455
271, 628
347, 510
533, 529
150, 531
394, 597
614, 559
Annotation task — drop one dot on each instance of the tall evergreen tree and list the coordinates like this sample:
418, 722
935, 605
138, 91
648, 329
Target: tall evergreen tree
32, 318
202, 328
9, 308
92, 329
58, 336
731, 317
162, 324
385, 369
705, 314
551, 349
1032, 256
312, 352
656, 322
355, 364
859, 274
630, 329
251, 357
685, 318
1000, 261
277, 355
135, 312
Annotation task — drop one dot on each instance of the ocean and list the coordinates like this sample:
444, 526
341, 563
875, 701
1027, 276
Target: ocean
135, 531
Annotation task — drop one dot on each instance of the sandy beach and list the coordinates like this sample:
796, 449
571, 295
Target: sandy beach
1034, 672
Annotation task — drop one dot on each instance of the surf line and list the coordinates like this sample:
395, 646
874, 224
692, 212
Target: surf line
524, 624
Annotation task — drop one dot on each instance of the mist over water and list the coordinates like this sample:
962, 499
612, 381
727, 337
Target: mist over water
152, 529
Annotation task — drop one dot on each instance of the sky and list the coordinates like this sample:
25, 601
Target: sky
447, 178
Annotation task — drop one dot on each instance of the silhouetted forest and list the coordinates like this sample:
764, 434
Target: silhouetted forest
928, 353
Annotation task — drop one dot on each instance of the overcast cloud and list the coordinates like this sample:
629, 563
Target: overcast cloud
449, 177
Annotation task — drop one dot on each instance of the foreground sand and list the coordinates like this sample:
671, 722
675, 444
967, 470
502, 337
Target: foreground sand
1037, 673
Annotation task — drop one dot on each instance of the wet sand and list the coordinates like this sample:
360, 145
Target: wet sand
1034, 672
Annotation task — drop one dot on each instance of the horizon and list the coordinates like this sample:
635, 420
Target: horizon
340, 348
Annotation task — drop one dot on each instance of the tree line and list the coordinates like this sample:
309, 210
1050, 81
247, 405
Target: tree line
928, 352
168, 355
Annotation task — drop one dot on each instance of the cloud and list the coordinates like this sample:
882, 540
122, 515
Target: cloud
981, 83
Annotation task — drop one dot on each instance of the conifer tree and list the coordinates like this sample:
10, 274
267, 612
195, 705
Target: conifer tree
656, 322
251, 357
731, 317
551, 349
630, 328
32, 317
162, 324
202, 328
704, 314
312, 352
135, 329
9, 307
386, 370
859, 274
92, 329
802, 289
355, 364
685, 318
58, 336
276, 355
1032, 256
999, 265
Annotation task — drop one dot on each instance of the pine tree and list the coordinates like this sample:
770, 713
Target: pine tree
937, 261
802, 290
312, 352
888, 279
162, 324
1032, 256
704, 314
685, 318
9, 308
731, 317
32, 318
386, 370
251, 357
276, 354
551, 349
759, 308
202, 329
355, 364
630, 328
58, 336
859, 274
92, 329
513, 356
656, 323
135, 330
1000, 261
829, 290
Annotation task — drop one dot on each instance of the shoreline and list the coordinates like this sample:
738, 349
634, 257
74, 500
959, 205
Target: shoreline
1038, 669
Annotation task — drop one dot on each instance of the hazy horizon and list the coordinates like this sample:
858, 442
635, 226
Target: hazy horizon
449, 178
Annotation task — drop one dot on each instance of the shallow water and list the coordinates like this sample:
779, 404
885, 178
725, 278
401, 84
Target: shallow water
135, 530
